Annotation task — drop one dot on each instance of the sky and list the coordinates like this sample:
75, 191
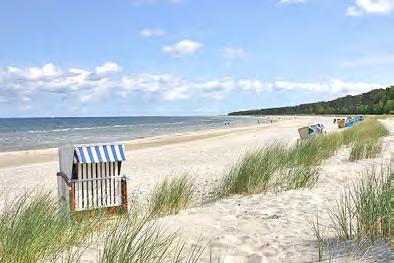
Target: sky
188, 57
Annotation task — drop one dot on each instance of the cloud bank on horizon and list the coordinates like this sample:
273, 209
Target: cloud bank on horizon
83, 86
183, 57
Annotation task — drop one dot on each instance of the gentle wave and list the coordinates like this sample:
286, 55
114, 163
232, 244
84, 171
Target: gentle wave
106, 127
23, 134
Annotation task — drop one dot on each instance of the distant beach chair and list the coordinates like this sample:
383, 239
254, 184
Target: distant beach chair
303, 132
90, 177
311, 131
349, 122
358, 118
341, 123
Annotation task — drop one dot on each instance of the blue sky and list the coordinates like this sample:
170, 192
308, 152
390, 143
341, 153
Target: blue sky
188, 57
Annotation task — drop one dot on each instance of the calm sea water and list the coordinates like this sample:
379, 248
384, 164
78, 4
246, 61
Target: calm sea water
35, 133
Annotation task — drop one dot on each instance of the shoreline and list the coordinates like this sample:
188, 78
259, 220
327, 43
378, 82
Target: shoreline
125, 135
44, 155
32, 156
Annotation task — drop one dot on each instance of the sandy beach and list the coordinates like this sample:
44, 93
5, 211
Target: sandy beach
205, 155
272, 227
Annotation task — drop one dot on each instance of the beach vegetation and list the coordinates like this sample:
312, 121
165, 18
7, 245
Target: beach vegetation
279, 167
315, 150
363, 211
298, 177
361, 216
321, 242
171, 196
371, 128
33, 228
365, 139
137, 237
363, 149
254, 171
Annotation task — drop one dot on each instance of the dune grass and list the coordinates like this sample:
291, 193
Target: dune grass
316, 150
316, 228
137, 238
297, 177
362, 213
365, 139
392, 209
366, 148
279, 167
35, 229
253, 172
171, 196
369, 129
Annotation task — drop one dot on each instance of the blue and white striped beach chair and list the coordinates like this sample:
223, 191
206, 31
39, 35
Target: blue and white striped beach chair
90, 177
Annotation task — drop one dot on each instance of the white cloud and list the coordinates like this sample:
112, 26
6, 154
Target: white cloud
107, 67
79, 84
152, 33
184, 47
82, 85
373, 7
334, 86
164, 86
232, 53
252, 85
216, 89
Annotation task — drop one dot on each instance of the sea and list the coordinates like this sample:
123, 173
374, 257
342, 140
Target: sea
39, 133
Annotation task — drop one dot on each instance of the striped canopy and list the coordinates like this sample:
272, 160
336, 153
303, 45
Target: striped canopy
99, 153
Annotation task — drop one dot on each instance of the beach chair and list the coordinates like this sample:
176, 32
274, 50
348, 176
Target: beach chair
317, 128
303, 132
310, 131
341, 123
349, 122
90, 177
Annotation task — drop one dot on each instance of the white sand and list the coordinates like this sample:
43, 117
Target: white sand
204, 155
258, 228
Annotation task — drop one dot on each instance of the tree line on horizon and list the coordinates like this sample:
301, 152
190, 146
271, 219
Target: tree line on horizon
375, 102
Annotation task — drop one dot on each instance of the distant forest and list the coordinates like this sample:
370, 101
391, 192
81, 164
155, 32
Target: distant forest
378, 101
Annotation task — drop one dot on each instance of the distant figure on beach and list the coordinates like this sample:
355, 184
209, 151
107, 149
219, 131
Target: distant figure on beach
258, 122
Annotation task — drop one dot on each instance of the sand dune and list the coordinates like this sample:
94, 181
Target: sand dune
276, 227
